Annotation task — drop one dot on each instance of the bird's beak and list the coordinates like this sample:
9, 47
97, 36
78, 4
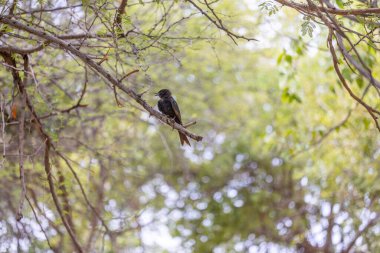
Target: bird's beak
156, 94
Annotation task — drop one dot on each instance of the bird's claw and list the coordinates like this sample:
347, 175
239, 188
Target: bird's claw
172, 122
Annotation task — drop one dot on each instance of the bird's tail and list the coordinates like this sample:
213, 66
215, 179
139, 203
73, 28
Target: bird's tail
183, 139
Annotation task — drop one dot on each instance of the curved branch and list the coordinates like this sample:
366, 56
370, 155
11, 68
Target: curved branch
55, 197
17, 50
370, 224
315, 8
218, 23
18, 82
370, 110
357, 65
100, 71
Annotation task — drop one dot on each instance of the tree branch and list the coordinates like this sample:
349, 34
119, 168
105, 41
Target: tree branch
100, 71
55, 197
371, 110
119, 13
21, 138
219, 24
17, 81
308, 8
17, 50
360, 232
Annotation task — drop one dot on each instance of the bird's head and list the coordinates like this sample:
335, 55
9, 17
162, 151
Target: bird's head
164, 93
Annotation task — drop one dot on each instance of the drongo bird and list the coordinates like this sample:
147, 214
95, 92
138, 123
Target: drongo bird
168, 106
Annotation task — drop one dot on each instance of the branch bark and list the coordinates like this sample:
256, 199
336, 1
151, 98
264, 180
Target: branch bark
17, 50
21, 139
218, 23
370, 110
55, 197
18, 83
100, 71
308, 8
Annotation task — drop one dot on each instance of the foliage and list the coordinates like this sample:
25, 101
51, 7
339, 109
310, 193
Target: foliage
288, 160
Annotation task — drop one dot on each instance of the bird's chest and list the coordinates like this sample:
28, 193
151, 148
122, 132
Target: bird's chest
165, 106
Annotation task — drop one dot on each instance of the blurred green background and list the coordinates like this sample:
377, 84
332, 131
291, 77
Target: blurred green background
288, 162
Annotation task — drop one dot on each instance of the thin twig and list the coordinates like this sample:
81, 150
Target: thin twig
39, 223
219, 25
127, 75
190, 124
82, 190
78, 104
370, 224
336, 11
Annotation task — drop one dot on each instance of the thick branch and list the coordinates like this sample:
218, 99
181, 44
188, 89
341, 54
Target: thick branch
17, 50
101, 71
21, 139
17, 82
363, 71
119, 13
64, 195
315, 8
371, 110
55, 197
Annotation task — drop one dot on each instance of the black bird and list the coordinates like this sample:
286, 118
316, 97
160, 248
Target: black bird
168, 106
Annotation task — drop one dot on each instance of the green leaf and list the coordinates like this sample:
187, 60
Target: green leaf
340, 3
280, 57
288, 58
299, 50
360, 82
366, 123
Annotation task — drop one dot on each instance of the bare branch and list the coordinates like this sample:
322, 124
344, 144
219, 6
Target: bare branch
39, 223
119, 13
219, 24
21, 139
12, 49
362, 69
189, 124
308, 8
48, 10
55, 197
17, 80
370, 224
371, 110
129, 74
82, 190
2, 104
101, 71
78, 104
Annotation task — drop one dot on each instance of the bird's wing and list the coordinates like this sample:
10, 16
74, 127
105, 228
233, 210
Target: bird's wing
176, 110
160, 106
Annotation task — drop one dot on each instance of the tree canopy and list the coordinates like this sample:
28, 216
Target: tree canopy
279, 99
